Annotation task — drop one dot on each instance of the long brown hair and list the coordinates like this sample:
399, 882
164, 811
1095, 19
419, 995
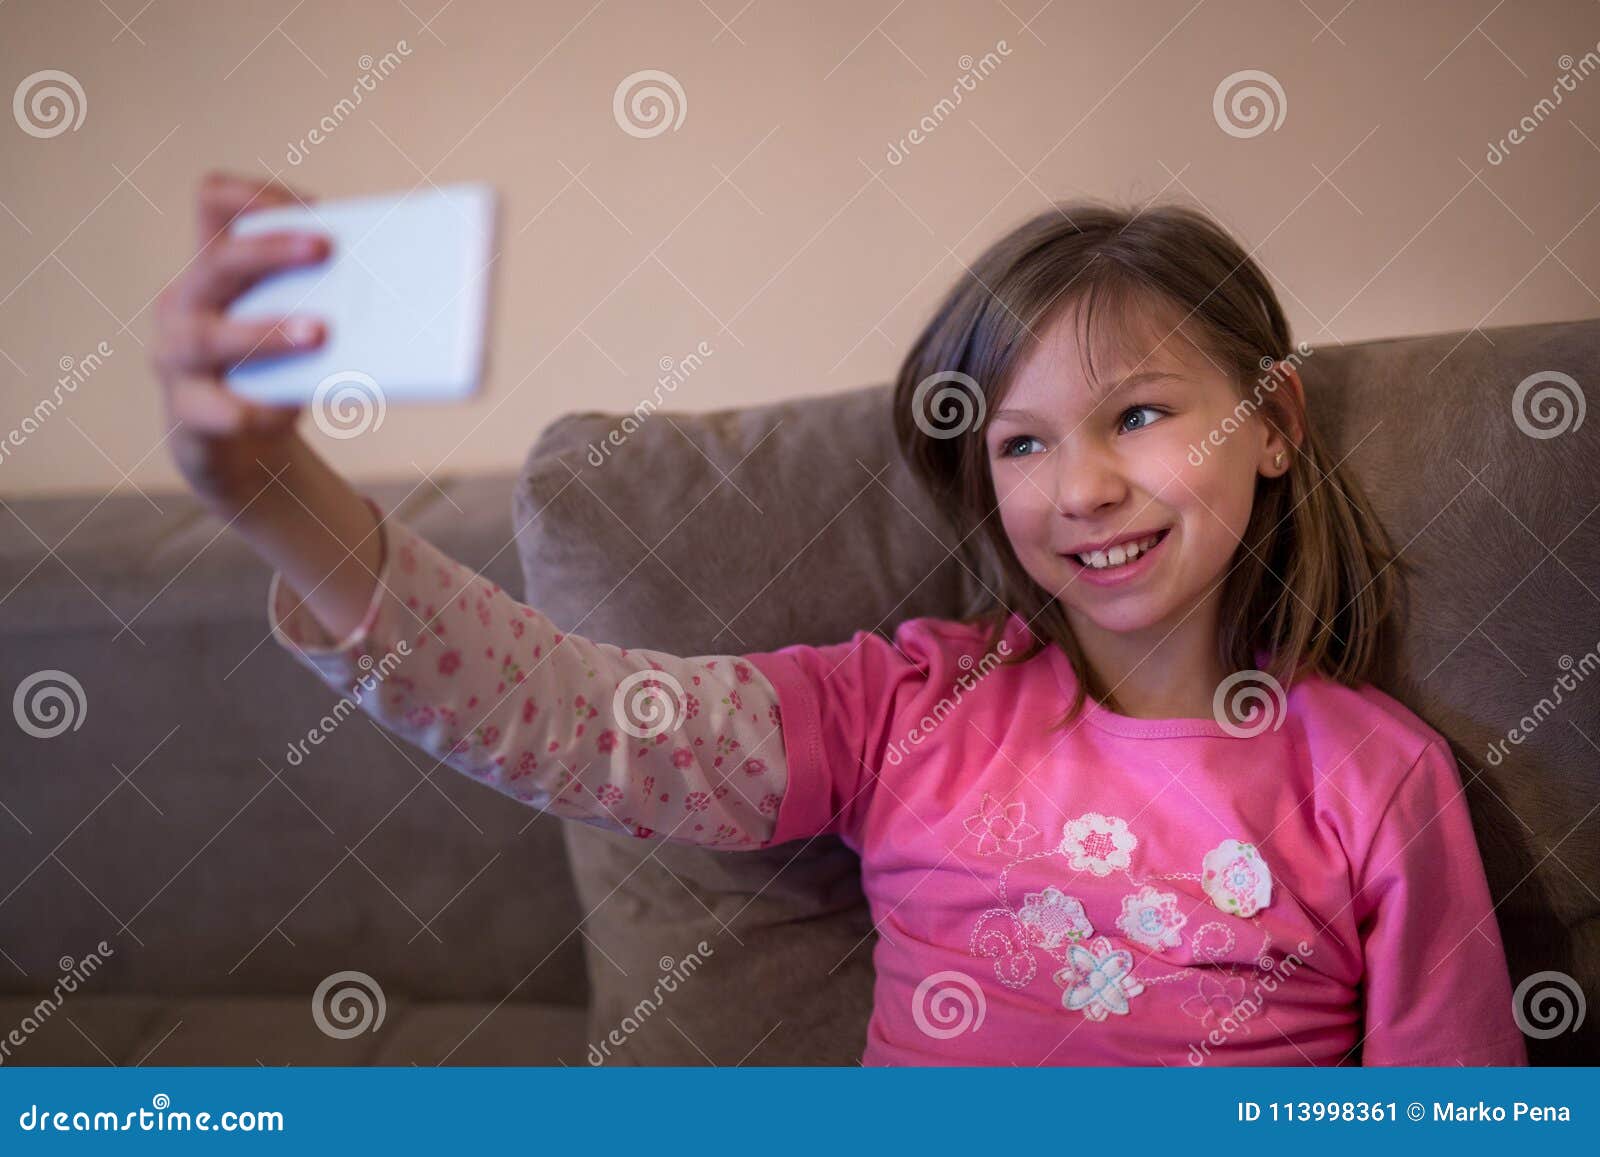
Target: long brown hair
1314, 579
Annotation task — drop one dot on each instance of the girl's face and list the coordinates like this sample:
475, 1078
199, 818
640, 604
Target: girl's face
1072, 470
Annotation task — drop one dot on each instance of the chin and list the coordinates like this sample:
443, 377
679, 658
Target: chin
1124, 620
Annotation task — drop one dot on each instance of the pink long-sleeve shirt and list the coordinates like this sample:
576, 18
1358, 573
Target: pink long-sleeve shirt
1122, 891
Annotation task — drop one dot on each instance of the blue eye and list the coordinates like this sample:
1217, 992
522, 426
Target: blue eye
1006, 446
1137, 409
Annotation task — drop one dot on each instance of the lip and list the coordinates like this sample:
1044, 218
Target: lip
1131, 536
1127, 572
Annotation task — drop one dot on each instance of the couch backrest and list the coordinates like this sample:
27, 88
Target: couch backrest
170, 823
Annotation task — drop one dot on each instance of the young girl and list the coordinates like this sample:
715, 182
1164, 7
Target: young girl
1148, 809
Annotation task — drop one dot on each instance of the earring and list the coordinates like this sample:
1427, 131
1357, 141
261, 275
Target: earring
1278, 461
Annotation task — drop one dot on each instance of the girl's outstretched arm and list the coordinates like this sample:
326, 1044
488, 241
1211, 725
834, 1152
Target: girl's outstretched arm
430, 650
653, 745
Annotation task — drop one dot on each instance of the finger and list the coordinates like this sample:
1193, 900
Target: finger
213, 344
234, 264
223, 196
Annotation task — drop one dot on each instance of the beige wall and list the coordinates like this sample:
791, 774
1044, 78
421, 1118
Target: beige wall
772, 225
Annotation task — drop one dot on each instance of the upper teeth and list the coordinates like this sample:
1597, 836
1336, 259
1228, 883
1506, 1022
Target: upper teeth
1119, 554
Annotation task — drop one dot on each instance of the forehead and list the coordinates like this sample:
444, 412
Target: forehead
1146, 341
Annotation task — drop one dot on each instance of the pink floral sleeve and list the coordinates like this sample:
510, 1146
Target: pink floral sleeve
653, 745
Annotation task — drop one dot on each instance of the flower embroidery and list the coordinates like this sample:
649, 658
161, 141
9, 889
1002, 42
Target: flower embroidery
1218, 998
1098, 980
1152, 918
1236, 878
1000, 827
1050, 917
1099, 843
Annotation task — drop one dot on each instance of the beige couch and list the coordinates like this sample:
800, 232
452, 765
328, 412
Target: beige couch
229, 883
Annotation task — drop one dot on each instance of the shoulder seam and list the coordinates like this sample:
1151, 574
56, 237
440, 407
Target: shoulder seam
1388, 806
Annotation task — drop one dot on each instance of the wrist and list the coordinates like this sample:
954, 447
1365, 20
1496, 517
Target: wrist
229, 480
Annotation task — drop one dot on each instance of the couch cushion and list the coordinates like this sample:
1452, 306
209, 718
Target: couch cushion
731, 532
746, 530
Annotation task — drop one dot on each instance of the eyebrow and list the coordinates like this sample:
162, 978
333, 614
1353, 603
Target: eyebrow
1133, 379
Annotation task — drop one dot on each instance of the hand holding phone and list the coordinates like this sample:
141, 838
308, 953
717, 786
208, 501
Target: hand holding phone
404, 297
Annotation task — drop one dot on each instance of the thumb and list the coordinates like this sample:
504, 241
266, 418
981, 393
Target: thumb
206, 408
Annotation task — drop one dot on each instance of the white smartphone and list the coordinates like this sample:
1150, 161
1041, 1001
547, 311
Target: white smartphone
404, 296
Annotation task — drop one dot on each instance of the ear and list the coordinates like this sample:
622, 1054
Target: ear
1285, 421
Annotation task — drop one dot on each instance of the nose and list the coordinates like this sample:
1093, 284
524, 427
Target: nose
1088, 479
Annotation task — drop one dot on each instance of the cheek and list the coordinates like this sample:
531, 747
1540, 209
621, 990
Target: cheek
1025, 513
1220, 494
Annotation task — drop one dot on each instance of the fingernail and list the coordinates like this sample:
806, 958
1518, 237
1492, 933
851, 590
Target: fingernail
312, 246
301, 330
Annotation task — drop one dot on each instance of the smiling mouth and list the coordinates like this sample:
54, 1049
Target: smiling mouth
1118, 556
